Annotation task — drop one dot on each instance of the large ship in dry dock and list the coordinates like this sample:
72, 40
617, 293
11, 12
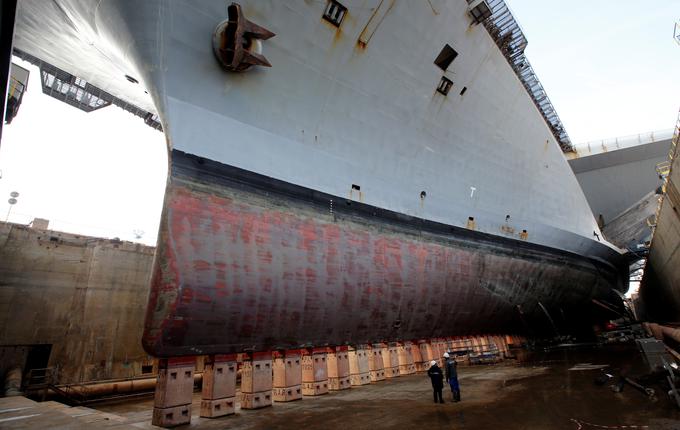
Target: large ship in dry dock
340, 172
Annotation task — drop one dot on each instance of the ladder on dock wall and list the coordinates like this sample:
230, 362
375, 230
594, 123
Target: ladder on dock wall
39, 382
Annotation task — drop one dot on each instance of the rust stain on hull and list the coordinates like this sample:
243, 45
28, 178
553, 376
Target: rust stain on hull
239, 267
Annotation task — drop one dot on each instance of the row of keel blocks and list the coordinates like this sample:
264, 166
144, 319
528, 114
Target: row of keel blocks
285, 376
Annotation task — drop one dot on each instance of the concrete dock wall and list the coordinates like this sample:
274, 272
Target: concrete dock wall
615, 180
84, 296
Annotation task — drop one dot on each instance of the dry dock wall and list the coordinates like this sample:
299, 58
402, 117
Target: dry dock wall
614, 181
660, 288
72, 302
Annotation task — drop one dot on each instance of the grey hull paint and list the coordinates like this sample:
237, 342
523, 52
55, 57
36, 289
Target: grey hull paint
327, 115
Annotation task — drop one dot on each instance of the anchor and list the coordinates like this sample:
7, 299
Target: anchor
237, 42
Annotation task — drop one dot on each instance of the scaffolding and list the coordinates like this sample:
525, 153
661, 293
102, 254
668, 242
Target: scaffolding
508, 35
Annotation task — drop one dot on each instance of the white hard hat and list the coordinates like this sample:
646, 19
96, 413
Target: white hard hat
446, 355
432, 363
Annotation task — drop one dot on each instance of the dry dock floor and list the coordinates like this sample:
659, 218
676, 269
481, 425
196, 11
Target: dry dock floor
537, 393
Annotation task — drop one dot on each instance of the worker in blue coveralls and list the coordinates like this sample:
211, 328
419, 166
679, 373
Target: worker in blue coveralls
450, 366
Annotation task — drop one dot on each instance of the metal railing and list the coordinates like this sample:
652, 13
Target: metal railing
621, 142
39, 381
508, 35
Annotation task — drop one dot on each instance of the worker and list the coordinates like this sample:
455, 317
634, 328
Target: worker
452, 376
437, 378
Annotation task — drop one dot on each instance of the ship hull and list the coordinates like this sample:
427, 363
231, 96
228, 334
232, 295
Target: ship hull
451, 213
247, 262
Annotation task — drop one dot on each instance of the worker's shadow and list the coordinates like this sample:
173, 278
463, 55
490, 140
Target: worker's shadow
449, 419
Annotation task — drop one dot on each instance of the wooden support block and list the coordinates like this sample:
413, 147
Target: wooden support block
376, 364
359, 379
171, 416
287, 394
358, 360
425, 351
417, 358
174, 391
218, 408
337, 384
219, 377
314, 372
314, 368
359, 373
406, 366
338, 362
392, 372
175, 383
287, 369
377, 375
256, 373
256, 400
315, 388
476, 344
439, 348
391, 361
337, 359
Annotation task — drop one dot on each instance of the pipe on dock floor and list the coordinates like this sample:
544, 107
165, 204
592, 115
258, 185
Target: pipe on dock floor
125, 386
12, 385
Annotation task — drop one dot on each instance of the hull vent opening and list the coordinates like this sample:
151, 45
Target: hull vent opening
445, 57
471, 223
444, 85
479, 10
334, 13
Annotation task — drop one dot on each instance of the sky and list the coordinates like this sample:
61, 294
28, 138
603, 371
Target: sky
101, 173
609, 66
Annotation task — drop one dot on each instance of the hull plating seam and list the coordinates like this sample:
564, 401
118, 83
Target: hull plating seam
192, 167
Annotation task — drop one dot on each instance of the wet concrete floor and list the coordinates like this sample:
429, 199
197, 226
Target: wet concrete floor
537, 393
